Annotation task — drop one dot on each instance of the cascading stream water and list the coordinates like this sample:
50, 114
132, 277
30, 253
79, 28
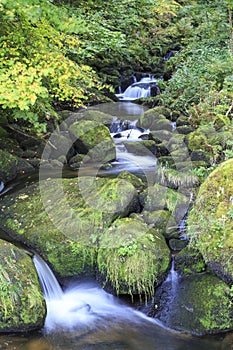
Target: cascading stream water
124, 132
82, 305
140, 89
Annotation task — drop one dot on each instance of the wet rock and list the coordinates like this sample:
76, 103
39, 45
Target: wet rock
11, 166
23, 307
94, 139
132, 257
210, 221
133, 179
62, 220
185, 129
189, 261
198, 304
142, 148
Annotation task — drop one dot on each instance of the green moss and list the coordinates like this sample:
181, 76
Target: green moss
210, 223
176, 178
8, 164
133, 179
21, 299
203, 305
132, 257
94, 139
189, 261
64, 225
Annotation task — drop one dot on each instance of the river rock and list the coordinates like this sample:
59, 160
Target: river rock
93, 139
210, 224
154, 119
23, 307
199, 304
62, 219
132, 257
11, 166
189, 261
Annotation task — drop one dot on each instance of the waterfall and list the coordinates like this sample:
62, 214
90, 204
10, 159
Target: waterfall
172, 277
48, 281
82, 307
140, 89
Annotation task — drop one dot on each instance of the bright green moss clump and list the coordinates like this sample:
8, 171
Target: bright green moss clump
132, 257
210, 222
21, 299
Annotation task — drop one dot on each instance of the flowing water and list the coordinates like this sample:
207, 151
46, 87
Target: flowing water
83, 316
140, 89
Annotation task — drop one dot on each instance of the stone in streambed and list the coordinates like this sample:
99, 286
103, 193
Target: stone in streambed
23, 307
132, 257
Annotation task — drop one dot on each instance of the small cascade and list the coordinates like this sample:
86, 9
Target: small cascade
172, 277
1, 186
48, 281
82, 306
140, 89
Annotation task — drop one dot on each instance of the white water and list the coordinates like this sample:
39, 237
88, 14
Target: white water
82, 305
141, 89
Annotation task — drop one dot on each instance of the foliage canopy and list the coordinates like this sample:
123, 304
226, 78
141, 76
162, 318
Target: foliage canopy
57, 53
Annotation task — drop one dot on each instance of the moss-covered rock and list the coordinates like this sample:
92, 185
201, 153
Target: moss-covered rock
200, 304
62, 220
132, 257
210, 222
22, 303
11, 166
159, 197
182, 120
155, 119
189, 261
157, 218
94, 139
184, 130
176, 142
133, 179
142, 148
180, 178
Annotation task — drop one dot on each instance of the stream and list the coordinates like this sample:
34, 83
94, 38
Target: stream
83, 316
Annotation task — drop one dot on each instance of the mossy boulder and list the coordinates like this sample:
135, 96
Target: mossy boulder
200, 304
62, 219
23, 307
69, 117
176, 142
142, 148
210, 222
133, 179
159, 197
182, 120
132, 257
94, 139
154, 119
181, 178
98, 116
184, 130
11, 166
